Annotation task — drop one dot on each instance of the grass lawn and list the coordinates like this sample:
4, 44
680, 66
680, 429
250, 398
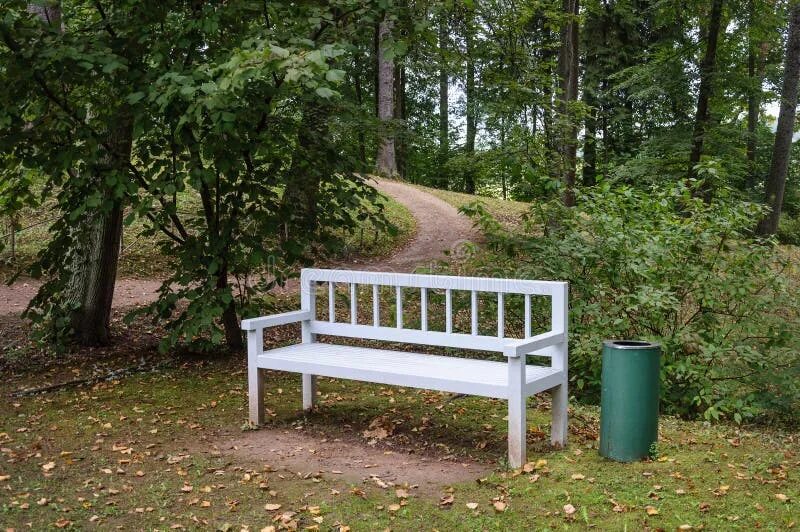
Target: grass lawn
154, 451
508, 212
141, 258
168, 449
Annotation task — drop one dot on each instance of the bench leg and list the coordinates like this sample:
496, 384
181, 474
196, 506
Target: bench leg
517, 421
309, 391
559, 427
255, 383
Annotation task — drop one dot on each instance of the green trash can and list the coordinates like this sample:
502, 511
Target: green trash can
629, 399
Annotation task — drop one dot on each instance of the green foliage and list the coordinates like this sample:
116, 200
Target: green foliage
789, 230
131, 105
660, 265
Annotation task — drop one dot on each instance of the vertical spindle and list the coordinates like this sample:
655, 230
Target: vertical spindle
353, 303
474, 305
331, 302
399, 306
527, 315
501, 315
423, 297
376, 305
448, 310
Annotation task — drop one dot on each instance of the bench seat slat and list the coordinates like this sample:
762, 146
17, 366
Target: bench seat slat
450, 374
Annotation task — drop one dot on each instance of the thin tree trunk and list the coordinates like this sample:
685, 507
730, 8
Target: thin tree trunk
753, 104
469, 145
386, 161
756, 63
590, 135
230, 320
400, 117
444, 107
503, 182
362, 143
590, 149
702, 116
568, 73
776, 179
48, 11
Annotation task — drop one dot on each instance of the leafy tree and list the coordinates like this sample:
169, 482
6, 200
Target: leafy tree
210, 97
776, 180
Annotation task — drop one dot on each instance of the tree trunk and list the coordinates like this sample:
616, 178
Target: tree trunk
776, 179
590, 123
230, 320
91, 264
444, 108
469, 145
568, 74
386, 161
362, 143
707, 73
590, 146
503, 180
400, 117
753, 104
756, 62
48, 11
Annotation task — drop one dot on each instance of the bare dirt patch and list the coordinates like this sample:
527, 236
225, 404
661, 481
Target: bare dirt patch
349, 459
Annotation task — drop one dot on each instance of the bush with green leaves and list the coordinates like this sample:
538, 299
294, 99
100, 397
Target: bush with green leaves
658, 264
789, 229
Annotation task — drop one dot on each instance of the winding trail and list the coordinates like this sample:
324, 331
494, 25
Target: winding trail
439, 228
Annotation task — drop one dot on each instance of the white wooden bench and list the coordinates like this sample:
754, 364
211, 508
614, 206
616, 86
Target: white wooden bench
513, 380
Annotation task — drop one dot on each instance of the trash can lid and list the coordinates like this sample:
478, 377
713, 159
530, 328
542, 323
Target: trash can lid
631, 344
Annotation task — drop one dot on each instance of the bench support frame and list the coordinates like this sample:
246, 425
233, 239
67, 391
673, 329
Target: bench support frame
552, 343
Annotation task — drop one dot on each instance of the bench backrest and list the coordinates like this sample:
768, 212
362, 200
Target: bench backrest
311, 278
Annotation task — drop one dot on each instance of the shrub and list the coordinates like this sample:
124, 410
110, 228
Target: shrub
658, 264
789, 230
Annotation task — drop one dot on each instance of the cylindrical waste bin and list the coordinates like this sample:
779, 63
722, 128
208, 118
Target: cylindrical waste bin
629, 399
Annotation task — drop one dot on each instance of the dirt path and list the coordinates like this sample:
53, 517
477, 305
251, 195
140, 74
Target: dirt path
439, 227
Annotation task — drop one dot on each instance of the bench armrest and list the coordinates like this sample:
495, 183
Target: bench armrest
254, 324
517, 348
